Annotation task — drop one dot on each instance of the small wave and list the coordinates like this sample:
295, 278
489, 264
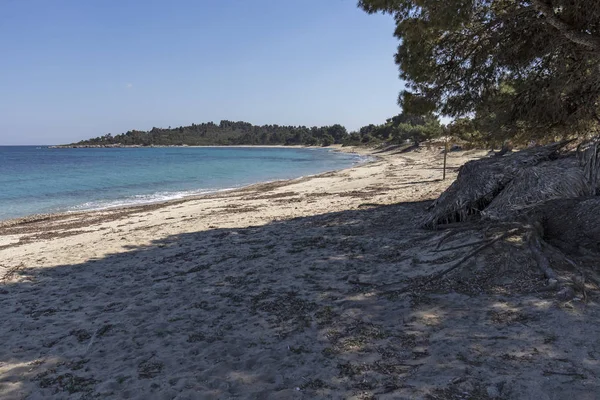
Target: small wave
141, 199
361, 159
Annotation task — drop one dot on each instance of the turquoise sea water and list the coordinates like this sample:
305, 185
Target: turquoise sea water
37, 180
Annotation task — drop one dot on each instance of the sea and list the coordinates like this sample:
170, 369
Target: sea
40, 180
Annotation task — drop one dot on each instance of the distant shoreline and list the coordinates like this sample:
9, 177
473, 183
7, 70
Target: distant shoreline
36, 217
139, 146
360, 150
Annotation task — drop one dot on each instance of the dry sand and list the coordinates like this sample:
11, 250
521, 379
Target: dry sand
274, 292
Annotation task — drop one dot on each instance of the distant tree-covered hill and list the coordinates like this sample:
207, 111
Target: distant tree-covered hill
398, 129
226, 133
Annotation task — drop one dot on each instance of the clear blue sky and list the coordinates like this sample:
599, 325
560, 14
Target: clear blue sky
74, 69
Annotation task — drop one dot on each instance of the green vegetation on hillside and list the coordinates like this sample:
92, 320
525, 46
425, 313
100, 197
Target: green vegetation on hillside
397, 129
505, 70
226, 133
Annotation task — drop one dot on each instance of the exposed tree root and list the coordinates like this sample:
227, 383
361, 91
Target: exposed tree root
457, 264
452, 230
355, 282
541, 259
462, 246
438, 275
550, 194
583, 274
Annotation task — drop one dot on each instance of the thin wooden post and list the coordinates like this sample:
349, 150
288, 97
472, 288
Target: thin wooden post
445, 156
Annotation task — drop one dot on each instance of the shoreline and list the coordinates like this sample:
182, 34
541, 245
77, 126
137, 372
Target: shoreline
19, 232
32, 218
283, 290
139, 146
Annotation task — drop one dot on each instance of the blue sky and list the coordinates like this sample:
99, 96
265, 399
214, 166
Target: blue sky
74, 69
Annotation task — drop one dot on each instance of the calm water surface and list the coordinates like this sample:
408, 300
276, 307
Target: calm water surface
41, 180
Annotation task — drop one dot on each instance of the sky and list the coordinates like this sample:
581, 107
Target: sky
72, 69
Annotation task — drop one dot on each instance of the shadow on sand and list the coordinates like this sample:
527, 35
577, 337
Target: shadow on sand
288, 310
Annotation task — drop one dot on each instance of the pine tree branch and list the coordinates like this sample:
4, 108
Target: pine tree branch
575, 36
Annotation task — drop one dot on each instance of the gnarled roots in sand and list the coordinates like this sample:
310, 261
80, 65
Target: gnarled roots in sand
546, 196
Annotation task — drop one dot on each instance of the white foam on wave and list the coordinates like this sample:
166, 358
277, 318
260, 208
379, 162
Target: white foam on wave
159, 197
361, 159
141, 199
358, 159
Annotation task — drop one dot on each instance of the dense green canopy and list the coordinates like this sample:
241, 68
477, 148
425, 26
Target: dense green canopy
398, 129
227, 133
526, 65
402, 127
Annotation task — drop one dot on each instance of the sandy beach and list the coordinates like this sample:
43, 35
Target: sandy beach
282, 290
